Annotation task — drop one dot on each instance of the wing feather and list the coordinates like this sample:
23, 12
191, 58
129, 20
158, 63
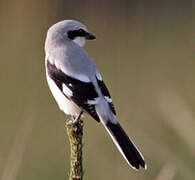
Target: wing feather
81, 93
105, 93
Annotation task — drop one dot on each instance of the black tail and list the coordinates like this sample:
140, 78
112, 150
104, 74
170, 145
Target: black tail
125, 145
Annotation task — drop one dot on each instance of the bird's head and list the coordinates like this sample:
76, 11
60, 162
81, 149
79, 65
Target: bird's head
68, 30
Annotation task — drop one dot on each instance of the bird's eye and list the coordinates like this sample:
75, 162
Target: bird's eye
81, 31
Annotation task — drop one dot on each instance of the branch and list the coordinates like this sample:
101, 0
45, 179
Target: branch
75, 134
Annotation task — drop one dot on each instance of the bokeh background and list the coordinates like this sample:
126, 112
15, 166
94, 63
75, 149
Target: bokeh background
145, 51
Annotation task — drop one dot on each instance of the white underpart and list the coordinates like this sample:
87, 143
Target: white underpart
108, 99
98, 75
94, 101
51, 60
80, 41
66, 90
68, 107
46, 56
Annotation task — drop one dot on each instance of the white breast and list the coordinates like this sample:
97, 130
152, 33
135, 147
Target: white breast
64, 104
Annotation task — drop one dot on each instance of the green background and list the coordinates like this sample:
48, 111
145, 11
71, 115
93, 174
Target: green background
145, 52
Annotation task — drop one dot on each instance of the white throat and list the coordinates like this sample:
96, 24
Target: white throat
80, 41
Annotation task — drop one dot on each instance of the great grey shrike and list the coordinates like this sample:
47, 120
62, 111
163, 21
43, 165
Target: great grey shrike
77, 85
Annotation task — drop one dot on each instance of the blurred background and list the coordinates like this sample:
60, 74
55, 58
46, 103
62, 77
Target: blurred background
144, 51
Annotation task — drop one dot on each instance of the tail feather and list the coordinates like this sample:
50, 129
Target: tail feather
125, 145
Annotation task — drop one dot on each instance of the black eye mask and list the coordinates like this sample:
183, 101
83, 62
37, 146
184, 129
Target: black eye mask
77, 33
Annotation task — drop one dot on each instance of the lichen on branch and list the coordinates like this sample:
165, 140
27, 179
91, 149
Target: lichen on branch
75, 134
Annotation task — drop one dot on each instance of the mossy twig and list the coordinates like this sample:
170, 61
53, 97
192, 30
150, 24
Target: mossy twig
75, 134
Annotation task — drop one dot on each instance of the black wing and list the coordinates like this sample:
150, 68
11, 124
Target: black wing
83, 93
106, 94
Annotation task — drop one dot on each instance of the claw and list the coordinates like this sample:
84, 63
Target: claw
74, 120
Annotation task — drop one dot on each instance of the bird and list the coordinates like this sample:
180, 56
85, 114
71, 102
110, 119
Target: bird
78, 87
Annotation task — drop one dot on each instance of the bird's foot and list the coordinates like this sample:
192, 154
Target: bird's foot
73, 120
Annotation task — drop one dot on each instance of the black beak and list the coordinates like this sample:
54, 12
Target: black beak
89, 36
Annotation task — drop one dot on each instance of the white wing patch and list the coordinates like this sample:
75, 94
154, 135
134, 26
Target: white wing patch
108, 99
94, 101
66, 90
70, 85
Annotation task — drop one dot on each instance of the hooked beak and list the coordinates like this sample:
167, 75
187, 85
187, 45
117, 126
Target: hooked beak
89, 36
